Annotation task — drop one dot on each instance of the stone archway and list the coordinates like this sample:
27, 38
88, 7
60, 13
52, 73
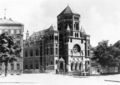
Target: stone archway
61, 64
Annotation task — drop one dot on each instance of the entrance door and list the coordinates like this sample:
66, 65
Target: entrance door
61, 66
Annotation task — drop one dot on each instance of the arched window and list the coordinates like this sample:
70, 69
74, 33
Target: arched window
76, 48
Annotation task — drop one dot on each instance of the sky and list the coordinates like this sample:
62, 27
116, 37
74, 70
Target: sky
99, 18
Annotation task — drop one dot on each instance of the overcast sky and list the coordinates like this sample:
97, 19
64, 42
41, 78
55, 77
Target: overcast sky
99, 18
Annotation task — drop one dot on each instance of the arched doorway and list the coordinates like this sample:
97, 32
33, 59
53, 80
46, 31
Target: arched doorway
61, 66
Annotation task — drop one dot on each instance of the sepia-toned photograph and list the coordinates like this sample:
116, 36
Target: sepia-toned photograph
59, 42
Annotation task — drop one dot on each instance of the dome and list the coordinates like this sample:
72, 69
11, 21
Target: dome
9, 22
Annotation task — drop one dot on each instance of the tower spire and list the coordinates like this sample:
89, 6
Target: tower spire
27, 35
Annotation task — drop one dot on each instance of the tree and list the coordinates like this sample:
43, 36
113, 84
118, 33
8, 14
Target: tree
9, 50
101, 53
107, 55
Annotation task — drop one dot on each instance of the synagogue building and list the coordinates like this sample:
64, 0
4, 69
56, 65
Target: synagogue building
66, 49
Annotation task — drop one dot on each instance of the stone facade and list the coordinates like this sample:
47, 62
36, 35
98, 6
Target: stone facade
74, 42
65, 50
16, 30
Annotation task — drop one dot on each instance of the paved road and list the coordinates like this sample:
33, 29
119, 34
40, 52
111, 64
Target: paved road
52, 79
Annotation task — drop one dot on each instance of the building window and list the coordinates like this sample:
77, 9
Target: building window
71, 66
76, 66
51, 50
71, 33
56, 62
31, 66
46, 64
17, 31
52, 37
26, 67
37, 66
56, 37
56, 51
76, 34
51, 62
6, 30
31, 52
26, 54
88, 52
82, 41
77, 26
18, 66
37, 52
12, 32
70, 39
80, 66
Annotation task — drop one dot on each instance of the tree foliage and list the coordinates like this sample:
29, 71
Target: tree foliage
107, 55
9, 50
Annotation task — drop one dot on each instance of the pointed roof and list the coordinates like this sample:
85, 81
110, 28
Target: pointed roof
82, 30
67, 10
61, 59
51, 27
68, 28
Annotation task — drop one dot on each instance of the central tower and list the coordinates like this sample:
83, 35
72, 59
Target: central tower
67, 18
73, 41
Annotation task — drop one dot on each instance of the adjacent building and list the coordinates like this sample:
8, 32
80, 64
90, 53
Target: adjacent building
15, 29
41, 50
